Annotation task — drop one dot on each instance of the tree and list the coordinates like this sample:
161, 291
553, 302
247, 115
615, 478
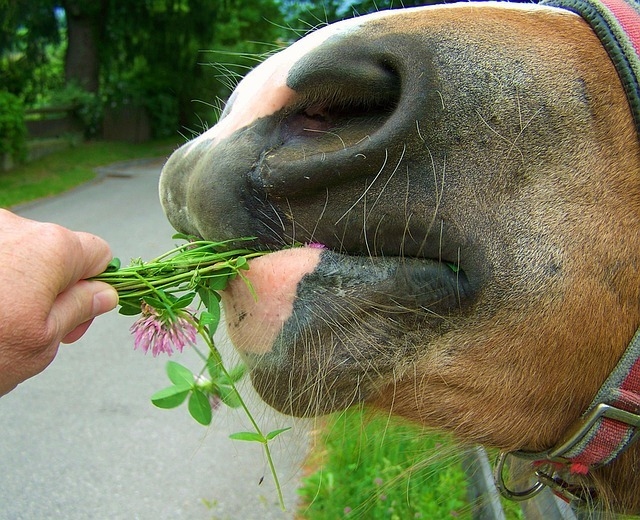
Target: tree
147, 53
153, 50
84, 34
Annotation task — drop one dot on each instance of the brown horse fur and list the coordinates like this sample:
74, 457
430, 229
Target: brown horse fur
492, 138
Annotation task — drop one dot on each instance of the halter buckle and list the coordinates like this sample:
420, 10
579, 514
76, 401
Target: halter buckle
584, 426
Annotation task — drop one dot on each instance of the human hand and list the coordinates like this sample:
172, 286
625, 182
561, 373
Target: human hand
46, 297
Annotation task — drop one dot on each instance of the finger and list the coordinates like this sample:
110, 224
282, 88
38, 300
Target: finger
73, 255
97, 254
77, 333
78, 305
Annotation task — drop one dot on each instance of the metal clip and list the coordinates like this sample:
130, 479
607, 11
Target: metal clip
572, 495
561, 488
511, 494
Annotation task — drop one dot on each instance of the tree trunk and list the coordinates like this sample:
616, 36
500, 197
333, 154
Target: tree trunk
82, 64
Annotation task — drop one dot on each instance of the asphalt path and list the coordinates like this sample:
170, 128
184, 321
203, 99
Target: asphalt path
83, 441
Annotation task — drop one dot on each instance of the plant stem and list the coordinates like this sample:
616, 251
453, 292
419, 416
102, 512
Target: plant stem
265, 441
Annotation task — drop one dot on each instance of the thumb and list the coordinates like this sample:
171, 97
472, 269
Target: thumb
74, 308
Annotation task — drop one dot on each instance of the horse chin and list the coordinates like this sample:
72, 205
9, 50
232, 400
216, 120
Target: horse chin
300, 394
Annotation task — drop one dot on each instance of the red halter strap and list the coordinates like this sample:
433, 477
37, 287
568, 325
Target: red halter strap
612, 421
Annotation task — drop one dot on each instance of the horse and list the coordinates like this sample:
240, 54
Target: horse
463, 183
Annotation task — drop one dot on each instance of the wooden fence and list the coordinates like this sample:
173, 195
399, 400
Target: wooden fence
51, 122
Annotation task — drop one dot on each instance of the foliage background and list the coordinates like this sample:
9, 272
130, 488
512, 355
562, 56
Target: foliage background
179, 59
12, 127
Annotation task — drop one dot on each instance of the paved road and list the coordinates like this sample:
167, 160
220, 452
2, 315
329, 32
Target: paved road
82, 440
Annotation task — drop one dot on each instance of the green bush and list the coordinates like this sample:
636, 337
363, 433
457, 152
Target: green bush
13, 132
89, 109
142, 86
163, 110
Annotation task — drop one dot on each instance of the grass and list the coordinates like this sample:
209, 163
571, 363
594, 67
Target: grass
368, 467
68, 168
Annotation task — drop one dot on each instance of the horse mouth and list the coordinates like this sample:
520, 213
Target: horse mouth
306, 321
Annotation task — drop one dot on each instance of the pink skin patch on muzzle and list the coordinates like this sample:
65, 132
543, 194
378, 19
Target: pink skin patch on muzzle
255, 316
264, 91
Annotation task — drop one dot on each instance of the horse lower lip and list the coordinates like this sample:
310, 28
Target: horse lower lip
301, 288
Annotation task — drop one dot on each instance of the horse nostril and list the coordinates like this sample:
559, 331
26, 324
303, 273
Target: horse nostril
316, 112
350, 97
344, 73
337, 125
306, 121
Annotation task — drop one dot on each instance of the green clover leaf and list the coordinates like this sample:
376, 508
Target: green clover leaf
200, 408
171, 397
179, 375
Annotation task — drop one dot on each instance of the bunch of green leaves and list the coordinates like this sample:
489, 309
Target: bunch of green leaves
198, 266
169, 284
13, 132
202, 393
